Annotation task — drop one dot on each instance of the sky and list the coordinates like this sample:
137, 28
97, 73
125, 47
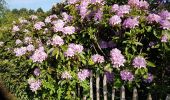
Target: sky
31, 4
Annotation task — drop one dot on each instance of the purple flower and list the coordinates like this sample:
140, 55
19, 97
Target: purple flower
15, 29
153, 18
165, 24
58, 25
126, 75
39, 55
34, 85
20, 51
97, 1
143, 4
27, 40
69, 53
139, 62
39, 25
33, 17
57, 41
114, 20
131, 22
133, 3
165, 15
152, 43
76, 47
111, 44
164, 38
117, 58
103, 44
72, 49
66, 17
149, 79
68, 30
18, 41
97, 58
36, 71
124, 9
82, 75
30, 47
83, 8
66, 75
54, 16
48, 19
115, 8
98, 15
109, 76
23, 21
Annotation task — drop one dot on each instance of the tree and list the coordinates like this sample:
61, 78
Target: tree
39, 10
2, 7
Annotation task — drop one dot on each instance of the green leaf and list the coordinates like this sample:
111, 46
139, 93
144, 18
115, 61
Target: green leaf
151, 64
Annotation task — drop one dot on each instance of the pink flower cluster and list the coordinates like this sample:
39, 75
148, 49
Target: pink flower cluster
153, 18
39, 25
58, 25
120, 10
126, 75
15, 28
82, 75
20, 51
18, 41
50, 18
139, 62
131, 22
117, 58
164, 38
39, 55
27, 40
114, 20
139, 4
68, 30
66, 17
34, 84
66, 75
57, 41
104, 44
72, 49
97, 58
33, 17
30, 47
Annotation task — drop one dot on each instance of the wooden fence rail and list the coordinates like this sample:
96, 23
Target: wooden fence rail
105, 92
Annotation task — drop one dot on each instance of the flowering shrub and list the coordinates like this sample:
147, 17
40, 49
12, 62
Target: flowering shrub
57, 54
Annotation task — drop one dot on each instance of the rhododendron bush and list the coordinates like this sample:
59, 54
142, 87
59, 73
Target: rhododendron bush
56, 55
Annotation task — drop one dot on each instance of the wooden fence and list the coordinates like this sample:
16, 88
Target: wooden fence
97, 92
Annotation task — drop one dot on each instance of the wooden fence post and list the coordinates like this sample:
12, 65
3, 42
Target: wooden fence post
91, 86
122, 93
149, 97
113, 93
135, 94
105, 87
97, 87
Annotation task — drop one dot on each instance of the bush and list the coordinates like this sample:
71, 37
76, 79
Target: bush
49, 58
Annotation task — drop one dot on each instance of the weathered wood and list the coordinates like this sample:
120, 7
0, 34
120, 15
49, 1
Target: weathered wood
105, 87
91, 86
113, 94
168, 97
84, 98
135, 94
122, 93
149, 97
97, 87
